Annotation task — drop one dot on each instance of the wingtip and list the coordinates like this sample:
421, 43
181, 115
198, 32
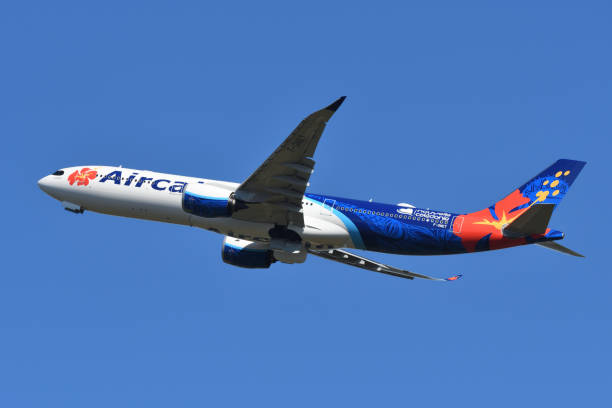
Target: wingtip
334, 106
453, 278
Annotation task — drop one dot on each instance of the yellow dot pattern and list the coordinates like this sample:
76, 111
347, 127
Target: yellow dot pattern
542, 195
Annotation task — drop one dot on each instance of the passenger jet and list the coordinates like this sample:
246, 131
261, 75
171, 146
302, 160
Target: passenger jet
270, 217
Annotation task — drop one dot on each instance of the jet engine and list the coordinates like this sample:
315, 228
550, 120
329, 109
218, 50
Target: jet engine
246, 254
207, 201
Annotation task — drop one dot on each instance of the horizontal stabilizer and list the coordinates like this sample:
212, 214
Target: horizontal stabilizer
558, 247
532, 222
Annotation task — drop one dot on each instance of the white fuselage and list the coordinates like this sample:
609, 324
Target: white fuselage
158, 196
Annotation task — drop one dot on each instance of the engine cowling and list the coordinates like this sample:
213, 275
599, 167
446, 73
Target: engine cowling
246, 254
208, 201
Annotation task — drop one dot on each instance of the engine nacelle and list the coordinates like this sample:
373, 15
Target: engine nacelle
208, 201
246, 254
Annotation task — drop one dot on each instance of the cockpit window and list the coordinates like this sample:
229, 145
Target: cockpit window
58, 173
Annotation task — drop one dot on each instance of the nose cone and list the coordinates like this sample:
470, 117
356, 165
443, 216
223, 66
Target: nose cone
44, 184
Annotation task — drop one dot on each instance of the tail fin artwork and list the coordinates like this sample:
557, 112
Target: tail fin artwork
551, 185
527, 210
523, 214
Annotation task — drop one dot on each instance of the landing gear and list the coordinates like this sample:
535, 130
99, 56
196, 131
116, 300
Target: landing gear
286, 245
75, 208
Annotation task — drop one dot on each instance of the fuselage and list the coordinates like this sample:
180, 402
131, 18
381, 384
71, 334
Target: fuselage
329, 221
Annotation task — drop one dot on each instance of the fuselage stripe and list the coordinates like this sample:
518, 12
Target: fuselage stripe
349, 225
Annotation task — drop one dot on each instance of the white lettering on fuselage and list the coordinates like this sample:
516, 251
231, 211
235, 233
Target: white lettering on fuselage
439, 219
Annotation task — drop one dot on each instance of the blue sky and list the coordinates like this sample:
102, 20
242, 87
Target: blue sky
450, 107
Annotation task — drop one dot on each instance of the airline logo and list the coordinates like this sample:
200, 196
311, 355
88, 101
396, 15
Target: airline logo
82, 177
116, 177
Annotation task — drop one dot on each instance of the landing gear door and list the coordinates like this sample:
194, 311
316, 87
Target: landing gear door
328, 206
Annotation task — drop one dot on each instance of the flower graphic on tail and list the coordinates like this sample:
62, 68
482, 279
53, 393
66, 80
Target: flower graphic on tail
82, 177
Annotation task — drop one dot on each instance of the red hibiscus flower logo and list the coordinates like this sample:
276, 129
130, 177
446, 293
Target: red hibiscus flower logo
82, 177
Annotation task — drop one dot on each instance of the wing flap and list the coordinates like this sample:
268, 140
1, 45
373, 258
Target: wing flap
307, 169
340, 255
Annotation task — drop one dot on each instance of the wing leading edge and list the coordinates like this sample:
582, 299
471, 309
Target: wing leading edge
348, 258
274, 192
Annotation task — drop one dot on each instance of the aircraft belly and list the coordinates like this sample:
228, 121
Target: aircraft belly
255, 231
144, 204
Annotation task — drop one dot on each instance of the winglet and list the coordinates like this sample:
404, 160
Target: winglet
453, 278
334, 106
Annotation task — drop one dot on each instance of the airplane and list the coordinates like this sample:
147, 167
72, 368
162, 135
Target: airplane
270, 217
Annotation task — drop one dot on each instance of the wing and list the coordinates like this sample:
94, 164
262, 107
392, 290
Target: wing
274, 192
340, 255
